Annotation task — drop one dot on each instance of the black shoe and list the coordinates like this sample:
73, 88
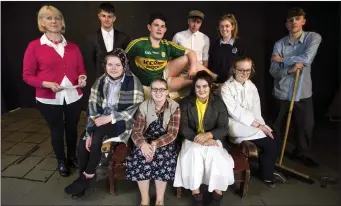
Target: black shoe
278, 177
270, 183
78, 195
216, 199
197, 200
72, 161
307, 161
63, 169
80, 184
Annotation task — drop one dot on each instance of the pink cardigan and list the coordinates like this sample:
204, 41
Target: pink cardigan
43, 63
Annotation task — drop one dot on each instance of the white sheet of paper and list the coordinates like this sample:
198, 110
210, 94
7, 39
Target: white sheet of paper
70, 87
113, 139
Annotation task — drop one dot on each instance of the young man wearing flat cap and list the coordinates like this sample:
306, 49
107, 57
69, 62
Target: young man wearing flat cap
293, 52
193, 39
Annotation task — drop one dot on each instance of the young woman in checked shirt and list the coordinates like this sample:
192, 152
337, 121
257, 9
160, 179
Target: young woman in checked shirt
154, 152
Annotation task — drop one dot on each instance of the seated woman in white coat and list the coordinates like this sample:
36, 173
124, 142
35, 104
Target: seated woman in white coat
203, 160
242, 100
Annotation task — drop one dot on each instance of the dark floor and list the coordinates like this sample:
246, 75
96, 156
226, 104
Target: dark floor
29, 177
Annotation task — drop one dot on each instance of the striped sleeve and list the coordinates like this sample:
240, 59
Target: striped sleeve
174, 49
132, 46
137, 133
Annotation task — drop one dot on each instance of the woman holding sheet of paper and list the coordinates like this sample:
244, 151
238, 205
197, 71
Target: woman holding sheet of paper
54, 66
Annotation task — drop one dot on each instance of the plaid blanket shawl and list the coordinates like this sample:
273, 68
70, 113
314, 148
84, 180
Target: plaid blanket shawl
130, 97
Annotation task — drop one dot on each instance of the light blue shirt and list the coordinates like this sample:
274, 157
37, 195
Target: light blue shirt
230, 42
303, 51
114, 90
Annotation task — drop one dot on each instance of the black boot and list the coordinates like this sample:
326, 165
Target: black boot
78, 195
79, 185
72, 161
307, 161
197, 200
216, 199
63, 169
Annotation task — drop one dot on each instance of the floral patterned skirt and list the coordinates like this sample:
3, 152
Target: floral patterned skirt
161, 168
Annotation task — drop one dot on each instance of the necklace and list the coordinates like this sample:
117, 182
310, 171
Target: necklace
56, 42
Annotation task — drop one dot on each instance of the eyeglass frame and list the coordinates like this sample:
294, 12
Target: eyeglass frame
155, 90
241, 71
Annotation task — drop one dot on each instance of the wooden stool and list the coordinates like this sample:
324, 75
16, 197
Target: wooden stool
116, 169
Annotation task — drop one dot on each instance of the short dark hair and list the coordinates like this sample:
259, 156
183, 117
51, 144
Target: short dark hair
157, 15
204, 76
295, 11
108, 7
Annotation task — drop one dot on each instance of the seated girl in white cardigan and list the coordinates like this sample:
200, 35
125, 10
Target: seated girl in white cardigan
242, 100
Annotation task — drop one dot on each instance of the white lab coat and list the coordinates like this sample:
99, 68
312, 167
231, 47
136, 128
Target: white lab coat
243, 104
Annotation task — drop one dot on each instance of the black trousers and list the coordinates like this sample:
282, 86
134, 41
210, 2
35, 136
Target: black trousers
88, 161
60, 118
302, 120
269, 151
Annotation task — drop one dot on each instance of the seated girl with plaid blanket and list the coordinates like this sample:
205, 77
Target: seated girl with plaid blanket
114, 99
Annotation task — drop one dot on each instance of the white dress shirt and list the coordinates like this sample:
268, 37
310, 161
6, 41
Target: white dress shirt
198, 42
108, 38
243, 104
70, 95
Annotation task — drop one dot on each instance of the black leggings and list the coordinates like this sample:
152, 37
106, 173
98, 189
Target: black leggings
62, 118
269, 151
88, 161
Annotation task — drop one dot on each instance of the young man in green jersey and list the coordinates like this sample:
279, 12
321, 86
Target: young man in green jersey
152, 57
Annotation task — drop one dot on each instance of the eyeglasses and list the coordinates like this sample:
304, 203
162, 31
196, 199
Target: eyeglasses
247, 71
158, 89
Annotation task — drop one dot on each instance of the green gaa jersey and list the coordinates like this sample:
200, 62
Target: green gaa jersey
147, 62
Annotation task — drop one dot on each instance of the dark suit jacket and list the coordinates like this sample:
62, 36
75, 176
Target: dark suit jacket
96, 51
215, 118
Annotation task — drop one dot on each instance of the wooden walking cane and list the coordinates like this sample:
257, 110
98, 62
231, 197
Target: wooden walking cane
280, 165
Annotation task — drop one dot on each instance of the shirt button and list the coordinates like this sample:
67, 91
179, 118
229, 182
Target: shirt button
64, 66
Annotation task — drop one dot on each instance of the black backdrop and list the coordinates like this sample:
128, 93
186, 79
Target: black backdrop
261, 24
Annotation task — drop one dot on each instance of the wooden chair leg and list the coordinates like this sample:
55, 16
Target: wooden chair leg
111, 181
178, 192
244, 186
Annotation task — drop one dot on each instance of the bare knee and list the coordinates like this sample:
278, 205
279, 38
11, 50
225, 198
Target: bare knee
177, 83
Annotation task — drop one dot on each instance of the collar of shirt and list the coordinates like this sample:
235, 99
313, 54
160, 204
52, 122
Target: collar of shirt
45, 40
164, 107
111, 33
190, 33
300, 40
115, 82
230, 42
239, 85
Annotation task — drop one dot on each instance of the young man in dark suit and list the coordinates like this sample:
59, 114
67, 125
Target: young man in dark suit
106, 38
